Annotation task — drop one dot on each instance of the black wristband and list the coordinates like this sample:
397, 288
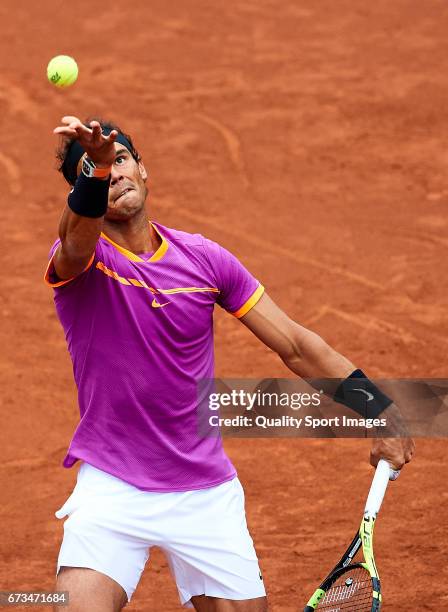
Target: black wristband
89, 197
361, 395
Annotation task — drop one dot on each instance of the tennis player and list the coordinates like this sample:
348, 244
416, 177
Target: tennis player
136, 303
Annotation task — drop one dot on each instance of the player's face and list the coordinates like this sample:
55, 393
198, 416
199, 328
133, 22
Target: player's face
127, 191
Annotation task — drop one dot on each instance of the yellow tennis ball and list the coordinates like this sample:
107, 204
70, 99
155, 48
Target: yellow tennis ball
62, 71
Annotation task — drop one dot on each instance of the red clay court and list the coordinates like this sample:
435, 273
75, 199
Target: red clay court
309, 138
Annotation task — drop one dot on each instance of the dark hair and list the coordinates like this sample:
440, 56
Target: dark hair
66, 144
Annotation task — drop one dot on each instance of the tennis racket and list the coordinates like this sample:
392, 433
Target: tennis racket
351, 586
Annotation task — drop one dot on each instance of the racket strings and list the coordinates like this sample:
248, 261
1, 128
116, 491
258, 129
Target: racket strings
350, 592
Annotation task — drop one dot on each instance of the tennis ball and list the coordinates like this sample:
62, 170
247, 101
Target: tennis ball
62, 71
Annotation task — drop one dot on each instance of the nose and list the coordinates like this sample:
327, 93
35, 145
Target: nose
115, 175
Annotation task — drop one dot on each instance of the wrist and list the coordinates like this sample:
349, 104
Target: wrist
362, 395
395, 425
101, 164
89, 196
93, 169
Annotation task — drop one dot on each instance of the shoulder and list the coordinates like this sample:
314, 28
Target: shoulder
194, 246
188, 241
179, 237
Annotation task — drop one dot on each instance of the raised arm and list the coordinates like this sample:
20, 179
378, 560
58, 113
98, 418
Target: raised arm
309, 356
79, 233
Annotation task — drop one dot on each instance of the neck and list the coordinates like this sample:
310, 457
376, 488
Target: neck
135, 234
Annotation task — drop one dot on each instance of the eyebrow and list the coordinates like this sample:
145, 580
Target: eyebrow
121, 151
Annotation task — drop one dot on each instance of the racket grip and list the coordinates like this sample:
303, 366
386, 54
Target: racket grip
377, 489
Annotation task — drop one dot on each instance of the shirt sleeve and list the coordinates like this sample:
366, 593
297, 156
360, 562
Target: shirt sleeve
51, 278
239, 291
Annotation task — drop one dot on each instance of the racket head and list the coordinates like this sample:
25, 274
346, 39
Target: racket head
348, 589
350, 586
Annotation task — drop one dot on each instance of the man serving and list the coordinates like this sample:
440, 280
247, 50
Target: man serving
136, 303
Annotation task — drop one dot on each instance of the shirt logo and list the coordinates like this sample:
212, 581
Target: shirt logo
155, 304
134, 282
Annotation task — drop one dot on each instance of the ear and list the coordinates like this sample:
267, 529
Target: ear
142, 171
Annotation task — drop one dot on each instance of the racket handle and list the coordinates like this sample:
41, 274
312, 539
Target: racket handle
378, 488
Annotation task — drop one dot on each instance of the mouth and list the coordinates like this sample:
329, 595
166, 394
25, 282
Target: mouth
123, 193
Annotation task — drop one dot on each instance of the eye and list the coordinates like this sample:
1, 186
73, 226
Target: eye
120, 160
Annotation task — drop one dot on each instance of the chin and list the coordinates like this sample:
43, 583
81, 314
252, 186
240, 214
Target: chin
122, 213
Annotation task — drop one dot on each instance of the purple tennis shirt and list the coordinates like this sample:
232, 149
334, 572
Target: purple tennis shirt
140, 335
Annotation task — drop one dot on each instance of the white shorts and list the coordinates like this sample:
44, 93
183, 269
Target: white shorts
112, 525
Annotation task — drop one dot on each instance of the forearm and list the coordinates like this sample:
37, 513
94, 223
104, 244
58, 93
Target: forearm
317, 361
311, 357
314, 359
307, 355
81, 225
79, 234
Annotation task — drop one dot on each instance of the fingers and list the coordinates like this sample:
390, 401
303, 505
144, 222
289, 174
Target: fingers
394, 474
397, 451
409, 450
395, 464
97, 132
75, 124
99, 147
72, 127
96, 129
389, 449
63, 131
98, 136
67, 119
374, 458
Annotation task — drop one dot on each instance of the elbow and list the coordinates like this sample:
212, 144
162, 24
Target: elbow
302, 342
292, 354
304, 351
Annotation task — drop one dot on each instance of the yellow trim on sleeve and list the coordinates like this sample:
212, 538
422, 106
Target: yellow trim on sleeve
65, 281
250, 302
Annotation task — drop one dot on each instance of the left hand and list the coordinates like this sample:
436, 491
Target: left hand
397, 451
99, 148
